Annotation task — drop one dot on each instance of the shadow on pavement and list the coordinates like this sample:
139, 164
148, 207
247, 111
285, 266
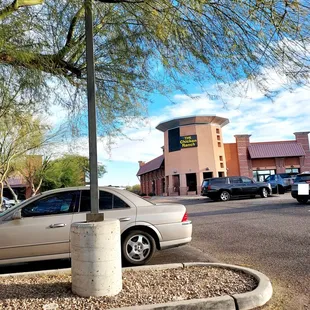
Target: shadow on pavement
36, 266
253, 208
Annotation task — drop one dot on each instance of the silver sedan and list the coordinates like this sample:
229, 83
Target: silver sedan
39, 227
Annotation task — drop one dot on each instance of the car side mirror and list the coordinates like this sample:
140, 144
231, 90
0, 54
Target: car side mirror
17, 215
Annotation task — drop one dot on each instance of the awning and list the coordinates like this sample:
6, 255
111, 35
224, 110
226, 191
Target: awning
276, 149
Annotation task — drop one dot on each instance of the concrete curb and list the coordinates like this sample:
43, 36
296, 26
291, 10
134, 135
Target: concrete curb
245, 301
249, 300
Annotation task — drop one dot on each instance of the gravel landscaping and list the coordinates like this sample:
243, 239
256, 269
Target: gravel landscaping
139, 287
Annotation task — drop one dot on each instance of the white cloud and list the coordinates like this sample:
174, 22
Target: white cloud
265, 120
252, 114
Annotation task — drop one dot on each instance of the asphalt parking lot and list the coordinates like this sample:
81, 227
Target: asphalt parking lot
271, 235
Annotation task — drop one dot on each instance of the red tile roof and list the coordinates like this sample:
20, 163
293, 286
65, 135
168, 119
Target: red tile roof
276, 149
152, 165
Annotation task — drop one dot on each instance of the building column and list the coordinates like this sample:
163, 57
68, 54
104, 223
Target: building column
245, 164
158, 187
280, 165
183, 185
170, 187
302, 138
199, 178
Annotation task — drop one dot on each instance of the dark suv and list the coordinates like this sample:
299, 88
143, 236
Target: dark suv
304, 179
224, 188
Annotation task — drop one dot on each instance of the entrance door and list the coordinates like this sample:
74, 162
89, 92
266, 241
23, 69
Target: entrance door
191, 182
207, 175
176, 183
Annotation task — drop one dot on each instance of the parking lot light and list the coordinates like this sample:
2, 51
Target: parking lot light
98, 240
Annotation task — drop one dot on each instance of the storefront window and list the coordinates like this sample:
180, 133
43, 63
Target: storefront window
292, 170
261, 175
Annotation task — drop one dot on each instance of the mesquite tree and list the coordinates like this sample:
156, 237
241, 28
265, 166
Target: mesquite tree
149, 46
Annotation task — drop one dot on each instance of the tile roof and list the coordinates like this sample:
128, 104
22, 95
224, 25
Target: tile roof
151, 165
276, 149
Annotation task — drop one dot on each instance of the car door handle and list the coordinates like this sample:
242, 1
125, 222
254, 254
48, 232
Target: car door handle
58, 225
124, 219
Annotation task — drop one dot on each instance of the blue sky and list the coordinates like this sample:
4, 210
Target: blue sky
251, 114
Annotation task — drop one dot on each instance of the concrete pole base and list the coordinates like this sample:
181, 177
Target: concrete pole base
96, 258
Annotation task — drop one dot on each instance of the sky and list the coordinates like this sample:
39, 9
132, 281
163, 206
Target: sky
253, 113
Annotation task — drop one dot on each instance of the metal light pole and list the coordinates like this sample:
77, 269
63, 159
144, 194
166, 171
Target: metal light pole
95, 245
94, 216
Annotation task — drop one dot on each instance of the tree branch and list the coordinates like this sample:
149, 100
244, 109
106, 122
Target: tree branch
69, 41
9, 10
47, 63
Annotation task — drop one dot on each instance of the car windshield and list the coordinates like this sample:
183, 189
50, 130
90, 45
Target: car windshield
4, 212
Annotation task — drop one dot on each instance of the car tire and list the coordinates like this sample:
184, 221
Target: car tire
302, 200
224, 196
138, 248
264, 193
281, 190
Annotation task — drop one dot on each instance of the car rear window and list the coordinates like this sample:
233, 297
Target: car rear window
302, 178
284, 175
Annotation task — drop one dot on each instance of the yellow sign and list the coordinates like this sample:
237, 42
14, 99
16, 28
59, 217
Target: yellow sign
188, 141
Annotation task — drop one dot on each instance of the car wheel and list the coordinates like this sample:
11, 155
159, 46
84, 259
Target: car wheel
281, 190
138, 247
302, 200
224, 196
264, 193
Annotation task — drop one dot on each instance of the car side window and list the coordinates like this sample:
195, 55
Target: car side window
247, 180
218, 181
59, 203
271, 178
235, 180
107, 201
118, 203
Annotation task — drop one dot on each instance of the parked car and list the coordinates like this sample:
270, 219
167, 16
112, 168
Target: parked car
302, 178
225, 187
39, 227
280, 183
8, 203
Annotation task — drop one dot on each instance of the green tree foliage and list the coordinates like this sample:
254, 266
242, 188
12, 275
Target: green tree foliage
68, 170
144, 46
134, 188
19, 134
33, 169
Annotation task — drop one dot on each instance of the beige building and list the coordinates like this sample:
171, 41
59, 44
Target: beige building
193, 150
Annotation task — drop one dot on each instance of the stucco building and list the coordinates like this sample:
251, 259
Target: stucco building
194, 150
